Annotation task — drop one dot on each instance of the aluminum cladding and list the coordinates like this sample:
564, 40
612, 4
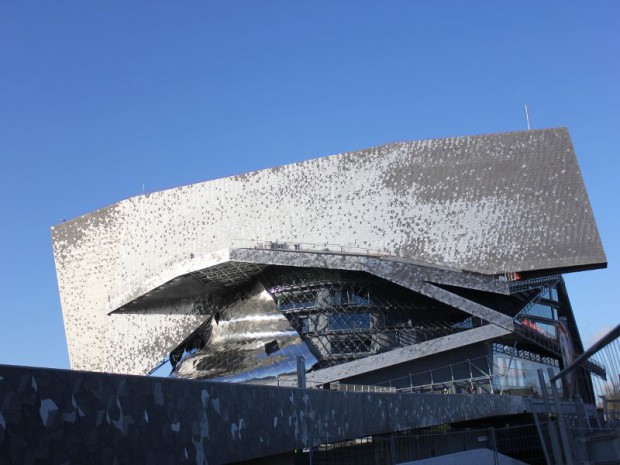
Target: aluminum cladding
491, 204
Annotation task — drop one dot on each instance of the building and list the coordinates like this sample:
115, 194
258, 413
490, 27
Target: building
373, 265
429, 266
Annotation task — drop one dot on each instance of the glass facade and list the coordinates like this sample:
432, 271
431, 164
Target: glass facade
247, 339
328, 316
333, 316
346, 315
541, 315
518, 369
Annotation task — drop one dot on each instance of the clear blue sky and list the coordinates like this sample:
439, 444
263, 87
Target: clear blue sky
98, 98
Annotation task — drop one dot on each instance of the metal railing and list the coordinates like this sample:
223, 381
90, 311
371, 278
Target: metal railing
293, 246
466, 447
602, 360
576, 434
542, 282
473, 376
549, 283
612, 356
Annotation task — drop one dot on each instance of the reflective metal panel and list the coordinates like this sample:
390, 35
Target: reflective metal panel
247, 340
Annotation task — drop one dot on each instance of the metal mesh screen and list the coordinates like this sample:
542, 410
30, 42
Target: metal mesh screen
344, 315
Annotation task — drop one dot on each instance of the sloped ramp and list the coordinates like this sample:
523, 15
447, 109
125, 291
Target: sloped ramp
470, 457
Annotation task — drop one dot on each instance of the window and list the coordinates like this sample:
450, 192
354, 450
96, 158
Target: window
297, 300
514, 372
551, 294
304, 326
351, 345
351, 297
547, 328
545, 311
348, 321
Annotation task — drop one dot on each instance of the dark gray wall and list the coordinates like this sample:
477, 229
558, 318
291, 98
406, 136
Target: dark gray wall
58, 416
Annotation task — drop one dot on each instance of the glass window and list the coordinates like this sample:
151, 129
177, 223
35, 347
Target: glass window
538, 309
547, 328
359, 298
350, 297
340, 297
297, 300
554, 295
551, 294
351, 345
348, 321
304, 326
518, 373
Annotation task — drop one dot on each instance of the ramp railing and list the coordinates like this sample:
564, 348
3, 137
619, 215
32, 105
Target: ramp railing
593, 420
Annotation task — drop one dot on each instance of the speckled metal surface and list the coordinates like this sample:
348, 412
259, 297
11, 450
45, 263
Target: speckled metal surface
139, 336
58, 417
399, 272
488, 204
473, 308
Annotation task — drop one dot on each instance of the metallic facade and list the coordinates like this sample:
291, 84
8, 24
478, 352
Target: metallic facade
329, 316
360, 262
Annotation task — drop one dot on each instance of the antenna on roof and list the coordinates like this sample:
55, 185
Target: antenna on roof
527, 117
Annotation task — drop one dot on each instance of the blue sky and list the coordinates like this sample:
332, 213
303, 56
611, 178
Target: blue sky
98, 99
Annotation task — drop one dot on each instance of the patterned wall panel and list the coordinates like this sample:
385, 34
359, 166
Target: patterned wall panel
60, 417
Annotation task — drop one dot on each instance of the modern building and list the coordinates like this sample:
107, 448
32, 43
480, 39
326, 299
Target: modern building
375, 278
429, 265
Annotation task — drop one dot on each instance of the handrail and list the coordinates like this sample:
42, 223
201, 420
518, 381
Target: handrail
538, 297
297, 246
492, 375
600, 344
542, 281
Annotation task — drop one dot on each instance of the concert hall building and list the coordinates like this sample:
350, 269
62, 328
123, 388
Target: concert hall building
416, 266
